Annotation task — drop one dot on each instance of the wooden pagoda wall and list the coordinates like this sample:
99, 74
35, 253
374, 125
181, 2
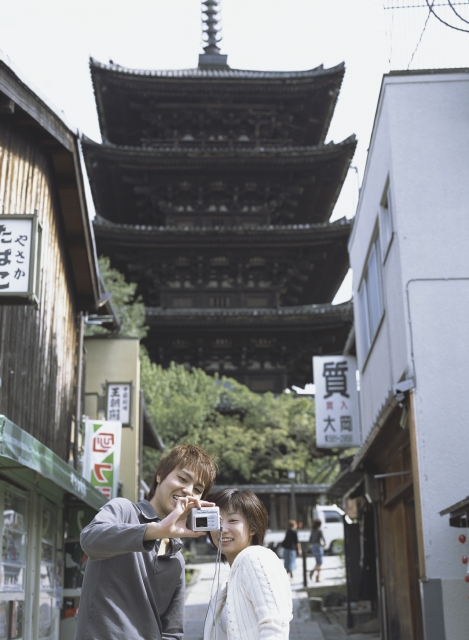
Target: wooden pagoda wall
38, 346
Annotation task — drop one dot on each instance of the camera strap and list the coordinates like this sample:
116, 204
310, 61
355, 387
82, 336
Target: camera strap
216, 578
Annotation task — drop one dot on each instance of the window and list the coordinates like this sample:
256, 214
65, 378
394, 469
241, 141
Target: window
385, 220
332, 516
370, 298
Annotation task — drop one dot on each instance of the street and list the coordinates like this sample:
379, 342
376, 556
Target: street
302, 627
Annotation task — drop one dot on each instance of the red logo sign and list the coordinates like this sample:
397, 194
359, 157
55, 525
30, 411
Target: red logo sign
103, 442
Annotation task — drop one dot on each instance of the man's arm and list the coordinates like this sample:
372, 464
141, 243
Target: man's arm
111, 533
172, 621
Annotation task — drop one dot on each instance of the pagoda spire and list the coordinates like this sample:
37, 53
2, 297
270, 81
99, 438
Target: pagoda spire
212, 56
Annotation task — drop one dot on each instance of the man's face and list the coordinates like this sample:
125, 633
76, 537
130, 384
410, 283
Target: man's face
179, 483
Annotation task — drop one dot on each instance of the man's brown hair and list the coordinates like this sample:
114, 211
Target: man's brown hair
246, 502
190, 457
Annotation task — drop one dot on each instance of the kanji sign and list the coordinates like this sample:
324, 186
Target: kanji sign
19, 257
118, 402
102, 455
336, 401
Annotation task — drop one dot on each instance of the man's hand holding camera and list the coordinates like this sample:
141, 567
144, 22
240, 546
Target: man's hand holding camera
174, 525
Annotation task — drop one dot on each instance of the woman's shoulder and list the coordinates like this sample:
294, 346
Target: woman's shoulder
260, 554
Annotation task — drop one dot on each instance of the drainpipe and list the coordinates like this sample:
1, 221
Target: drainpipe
78, 413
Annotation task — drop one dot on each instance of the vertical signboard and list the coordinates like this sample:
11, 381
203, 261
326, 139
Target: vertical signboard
102, 455
19, 257
118, 402
336, 401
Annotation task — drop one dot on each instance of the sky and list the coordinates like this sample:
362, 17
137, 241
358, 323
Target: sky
50, 42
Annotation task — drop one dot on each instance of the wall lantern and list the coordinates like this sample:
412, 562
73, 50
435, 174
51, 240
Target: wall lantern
20, 258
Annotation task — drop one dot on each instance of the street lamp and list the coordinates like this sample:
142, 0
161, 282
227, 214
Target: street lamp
292, 476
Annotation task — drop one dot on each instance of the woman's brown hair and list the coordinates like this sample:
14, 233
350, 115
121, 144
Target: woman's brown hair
247, 503
190, 457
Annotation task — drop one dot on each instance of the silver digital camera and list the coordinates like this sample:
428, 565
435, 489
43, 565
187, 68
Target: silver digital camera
205, 519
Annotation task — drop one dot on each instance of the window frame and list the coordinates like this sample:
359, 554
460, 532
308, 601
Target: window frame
386, 222
369, 329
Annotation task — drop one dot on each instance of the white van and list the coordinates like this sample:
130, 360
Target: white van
332, 519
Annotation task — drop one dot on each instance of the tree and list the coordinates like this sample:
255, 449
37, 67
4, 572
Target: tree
131, 310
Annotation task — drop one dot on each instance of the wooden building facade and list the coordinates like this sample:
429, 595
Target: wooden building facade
40, 492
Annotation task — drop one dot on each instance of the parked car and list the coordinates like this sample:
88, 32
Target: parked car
332, 527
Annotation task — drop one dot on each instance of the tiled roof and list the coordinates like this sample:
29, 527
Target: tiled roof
218, 153
317, 310
281, 229
218, 73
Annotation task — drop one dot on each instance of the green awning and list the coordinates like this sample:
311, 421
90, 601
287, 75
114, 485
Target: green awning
17, 445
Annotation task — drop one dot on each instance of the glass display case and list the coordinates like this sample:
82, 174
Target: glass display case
47, 577
13, 563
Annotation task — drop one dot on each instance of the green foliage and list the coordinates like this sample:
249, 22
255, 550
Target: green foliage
254, 438
131, 311
263, 437
180, 402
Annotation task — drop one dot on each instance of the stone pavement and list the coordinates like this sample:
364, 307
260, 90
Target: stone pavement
302, 627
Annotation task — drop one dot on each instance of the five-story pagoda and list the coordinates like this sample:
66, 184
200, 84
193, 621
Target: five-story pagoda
213, 188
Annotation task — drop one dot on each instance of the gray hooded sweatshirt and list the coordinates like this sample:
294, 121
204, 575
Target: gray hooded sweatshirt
129, 592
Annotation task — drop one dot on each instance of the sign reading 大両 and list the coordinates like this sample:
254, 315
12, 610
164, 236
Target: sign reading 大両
336, 401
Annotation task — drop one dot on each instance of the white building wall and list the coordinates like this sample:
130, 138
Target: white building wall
385, 363
421, 140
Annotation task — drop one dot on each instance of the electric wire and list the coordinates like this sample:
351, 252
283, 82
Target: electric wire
443, 21
421, 36
459, 15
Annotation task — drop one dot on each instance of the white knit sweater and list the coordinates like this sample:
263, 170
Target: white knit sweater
257, 602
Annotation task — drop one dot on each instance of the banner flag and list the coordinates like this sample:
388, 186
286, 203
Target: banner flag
101, 461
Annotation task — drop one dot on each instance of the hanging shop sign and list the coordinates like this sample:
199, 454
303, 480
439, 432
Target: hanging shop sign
20, 257
102, 455
119, 396
337, 423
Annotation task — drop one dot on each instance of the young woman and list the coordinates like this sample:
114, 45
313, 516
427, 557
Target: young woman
256, 602
291, 547
317, 543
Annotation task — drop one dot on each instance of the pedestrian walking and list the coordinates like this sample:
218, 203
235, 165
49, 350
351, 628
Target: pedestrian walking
291, 547
317, 544
256, 602
134, 584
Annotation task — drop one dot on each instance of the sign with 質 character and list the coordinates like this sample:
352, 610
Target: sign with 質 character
20, 252
102, 455
119, 395
336, 399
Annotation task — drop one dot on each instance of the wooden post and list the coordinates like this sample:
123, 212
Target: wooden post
304, 554
78, 415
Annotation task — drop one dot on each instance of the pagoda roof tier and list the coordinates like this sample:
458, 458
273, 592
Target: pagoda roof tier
125, 97
284, 318
267, 349
133, 184
298, 264
259, 235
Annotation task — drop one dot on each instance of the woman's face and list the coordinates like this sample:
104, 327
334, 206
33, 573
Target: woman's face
236, 534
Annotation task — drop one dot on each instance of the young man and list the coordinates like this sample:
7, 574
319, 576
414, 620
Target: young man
134, 584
